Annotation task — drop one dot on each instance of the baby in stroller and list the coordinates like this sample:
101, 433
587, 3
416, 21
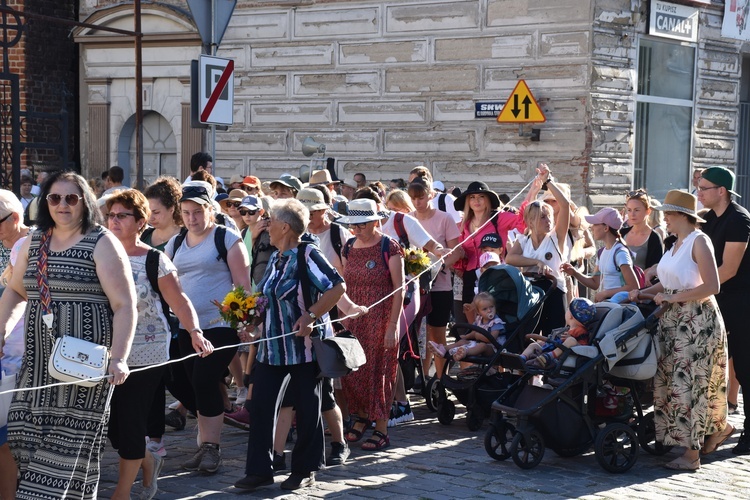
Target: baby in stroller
543, 353
474, 343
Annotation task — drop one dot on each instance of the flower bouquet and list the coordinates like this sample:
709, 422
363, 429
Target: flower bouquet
241, 309
415, 261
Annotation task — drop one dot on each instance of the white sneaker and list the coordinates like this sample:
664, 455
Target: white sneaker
241, 396
173, 406
156, 447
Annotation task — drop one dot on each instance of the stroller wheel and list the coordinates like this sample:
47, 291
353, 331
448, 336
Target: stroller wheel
527, 452
497, 440
616, 448
432, 393
446, 411
647, 436
474, 419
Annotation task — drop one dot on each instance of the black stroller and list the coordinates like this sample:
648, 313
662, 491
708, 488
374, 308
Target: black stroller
519, 302
565, 414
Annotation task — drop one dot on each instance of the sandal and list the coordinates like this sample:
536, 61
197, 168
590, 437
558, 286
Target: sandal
378, 441
353, 434
733, 409
726, 434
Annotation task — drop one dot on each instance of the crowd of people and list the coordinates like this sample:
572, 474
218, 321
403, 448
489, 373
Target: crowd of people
141, 274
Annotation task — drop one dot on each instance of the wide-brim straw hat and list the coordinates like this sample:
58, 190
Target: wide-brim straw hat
681, 201
477, 187
312, 199
322, 178
360, 211
235, 195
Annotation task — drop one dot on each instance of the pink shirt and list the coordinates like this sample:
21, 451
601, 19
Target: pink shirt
505, 222
442, 228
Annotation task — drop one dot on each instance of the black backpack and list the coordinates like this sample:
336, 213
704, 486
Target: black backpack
336, 237
152, 273
219, 236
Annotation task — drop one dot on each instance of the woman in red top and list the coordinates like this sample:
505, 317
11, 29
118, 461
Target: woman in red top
483, 204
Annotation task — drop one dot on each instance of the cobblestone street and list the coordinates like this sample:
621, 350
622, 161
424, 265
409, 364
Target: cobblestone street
430, 460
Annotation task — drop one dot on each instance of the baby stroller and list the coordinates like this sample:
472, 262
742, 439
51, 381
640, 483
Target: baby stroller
565, 413
519, 302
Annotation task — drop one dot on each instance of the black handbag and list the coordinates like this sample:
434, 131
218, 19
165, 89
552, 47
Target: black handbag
340, 355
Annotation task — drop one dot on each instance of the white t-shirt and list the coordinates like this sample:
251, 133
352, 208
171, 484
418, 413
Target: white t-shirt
611, 277
450, 208
326, 245
442, 228
14, 342
549, 253
417, 235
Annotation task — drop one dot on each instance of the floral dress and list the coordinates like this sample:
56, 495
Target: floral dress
690, 385
370, 389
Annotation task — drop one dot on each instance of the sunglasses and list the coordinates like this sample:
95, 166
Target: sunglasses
359, 225
120, 216
5, 218
70, 199
244, 212
192, 191
234, 204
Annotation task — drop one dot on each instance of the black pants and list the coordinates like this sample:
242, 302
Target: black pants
205, 374
732, 307
271, 382
553, 312
131, 403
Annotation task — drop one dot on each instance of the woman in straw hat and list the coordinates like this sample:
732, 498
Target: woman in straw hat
373, 268
690, 404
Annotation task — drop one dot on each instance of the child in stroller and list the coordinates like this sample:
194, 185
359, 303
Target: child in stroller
544, 356
474, 343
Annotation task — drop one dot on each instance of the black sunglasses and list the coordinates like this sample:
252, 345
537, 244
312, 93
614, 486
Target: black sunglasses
70, 199
244, 212
191, 191
234, 204
5, 218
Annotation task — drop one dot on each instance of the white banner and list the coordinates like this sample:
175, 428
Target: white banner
735, 25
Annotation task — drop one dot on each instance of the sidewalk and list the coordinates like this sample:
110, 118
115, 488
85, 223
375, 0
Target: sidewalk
430, 460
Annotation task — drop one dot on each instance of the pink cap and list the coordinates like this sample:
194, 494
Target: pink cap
488, 258
606, 215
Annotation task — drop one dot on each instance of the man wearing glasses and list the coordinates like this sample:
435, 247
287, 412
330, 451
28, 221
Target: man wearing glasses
200, 161
728, 226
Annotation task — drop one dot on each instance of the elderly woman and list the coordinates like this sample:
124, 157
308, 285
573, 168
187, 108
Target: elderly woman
56, 434
12, 233
690, 404
286, 350
373, 268
209, 260
128, 212
545, 248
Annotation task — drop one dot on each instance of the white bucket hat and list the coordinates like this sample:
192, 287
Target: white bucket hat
360, 211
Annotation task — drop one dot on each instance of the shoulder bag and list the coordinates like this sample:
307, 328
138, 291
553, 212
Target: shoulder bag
73, 359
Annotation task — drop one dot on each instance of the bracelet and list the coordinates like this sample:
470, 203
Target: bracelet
118, 360
197, 330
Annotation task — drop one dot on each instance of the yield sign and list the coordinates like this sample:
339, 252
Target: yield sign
216, 90
521, 107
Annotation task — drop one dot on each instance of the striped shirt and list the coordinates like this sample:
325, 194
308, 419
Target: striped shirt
286, 304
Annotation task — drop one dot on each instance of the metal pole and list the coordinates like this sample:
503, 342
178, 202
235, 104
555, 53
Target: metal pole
213, 51
138, 97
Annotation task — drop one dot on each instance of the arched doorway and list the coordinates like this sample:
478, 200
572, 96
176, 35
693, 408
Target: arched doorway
159, 149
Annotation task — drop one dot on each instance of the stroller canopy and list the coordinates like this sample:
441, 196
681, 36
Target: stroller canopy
514, 295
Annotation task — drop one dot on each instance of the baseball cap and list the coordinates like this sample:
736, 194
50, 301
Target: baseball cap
488, 258
197, 194
606, 215
438, 186
721, 177
251, 203
491, 240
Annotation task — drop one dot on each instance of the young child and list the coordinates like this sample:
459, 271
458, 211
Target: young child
544, 355
487, 259
474, 343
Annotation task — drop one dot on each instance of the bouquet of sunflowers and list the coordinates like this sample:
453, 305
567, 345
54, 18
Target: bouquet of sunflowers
241, 309
415, 261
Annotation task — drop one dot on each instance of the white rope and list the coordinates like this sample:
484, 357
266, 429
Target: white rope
268, 339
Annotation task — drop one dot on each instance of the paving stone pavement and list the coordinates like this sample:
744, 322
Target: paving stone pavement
427, 460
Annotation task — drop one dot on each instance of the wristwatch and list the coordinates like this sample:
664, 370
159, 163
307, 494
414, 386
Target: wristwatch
313, 316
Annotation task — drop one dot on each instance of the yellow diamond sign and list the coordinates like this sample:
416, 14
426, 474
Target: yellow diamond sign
521, 107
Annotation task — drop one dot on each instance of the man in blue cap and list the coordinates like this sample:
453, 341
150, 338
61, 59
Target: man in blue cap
728, 226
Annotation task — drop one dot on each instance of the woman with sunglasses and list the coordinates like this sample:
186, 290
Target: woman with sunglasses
206, 274
56, 434
644, 243
231, 207
128, 212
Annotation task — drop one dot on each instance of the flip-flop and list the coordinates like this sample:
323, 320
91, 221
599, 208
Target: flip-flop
706, 451
693, 466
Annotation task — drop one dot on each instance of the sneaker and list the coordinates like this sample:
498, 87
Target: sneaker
339, 453
211, 460
297, 480
175, 419
241, 396
239, 419
249, 483
174, 406
195, 462
279, 462
148, 493
156, 447
743, 445
400, 413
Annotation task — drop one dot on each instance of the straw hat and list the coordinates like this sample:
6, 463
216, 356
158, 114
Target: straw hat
312, 199
234, 195
322, 177
681, 201
360, 211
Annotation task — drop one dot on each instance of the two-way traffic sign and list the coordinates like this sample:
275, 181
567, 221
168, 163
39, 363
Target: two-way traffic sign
521, 107
216, 90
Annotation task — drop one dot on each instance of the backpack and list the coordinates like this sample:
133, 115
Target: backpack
336, 237
152, 273
219, 236
640, 275
441, 202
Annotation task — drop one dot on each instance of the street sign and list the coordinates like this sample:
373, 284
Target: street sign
201, 11
216, 90
487, 109
521, 107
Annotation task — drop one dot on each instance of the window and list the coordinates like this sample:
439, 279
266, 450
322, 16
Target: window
664, 116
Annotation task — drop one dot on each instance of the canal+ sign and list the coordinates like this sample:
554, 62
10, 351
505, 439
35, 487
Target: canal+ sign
673, 21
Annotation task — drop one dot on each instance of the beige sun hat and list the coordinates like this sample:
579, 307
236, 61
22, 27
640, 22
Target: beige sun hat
322, 177
681, 201
312, 199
